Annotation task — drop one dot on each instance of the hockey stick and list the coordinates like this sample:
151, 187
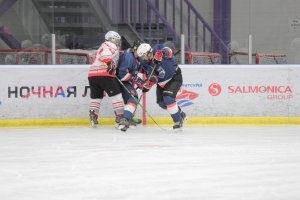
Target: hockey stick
177, 52
146, 81
140, 105
139, 100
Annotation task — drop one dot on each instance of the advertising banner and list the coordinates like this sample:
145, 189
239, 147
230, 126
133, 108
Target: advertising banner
61, 91
249, 91
50, 91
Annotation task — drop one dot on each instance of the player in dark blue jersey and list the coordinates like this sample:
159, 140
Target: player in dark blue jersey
128, 68
169, 78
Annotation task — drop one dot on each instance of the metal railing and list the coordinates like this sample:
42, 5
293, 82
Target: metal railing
159, 20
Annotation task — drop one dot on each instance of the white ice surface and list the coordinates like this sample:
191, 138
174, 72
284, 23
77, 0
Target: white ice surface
200, 163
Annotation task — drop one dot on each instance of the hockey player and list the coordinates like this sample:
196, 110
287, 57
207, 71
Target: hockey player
169, 79
102, 79
127, 71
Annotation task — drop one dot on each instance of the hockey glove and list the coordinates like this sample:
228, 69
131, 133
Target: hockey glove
148, 84
158, 56
139, 83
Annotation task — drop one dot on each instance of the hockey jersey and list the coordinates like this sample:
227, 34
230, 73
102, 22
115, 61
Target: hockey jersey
165, 69
108, 53
128, 66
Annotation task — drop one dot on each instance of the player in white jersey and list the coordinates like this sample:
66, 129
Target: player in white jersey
102, 78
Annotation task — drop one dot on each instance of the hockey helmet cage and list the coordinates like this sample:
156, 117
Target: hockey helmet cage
144, 49
113, 37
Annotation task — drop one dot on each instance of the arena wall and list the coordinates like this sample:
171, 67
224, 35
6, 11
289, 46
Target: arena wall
58, 95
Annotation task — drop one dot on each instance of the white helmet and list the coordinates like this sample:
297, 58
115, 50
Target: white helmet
144, 49
113, 37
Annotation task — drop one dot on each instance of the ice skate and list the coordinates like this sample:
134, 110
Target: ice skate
183, 117
93, 119
117, 120
177, 126
134, 122
123, 124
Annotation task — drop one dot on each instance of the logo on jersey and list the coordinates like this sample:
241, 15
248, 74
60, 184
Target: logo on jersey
161, 72
185, 98
214, 89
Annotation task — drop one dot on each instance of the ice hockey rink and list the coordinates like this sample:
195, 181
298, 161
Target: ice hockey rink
205, 162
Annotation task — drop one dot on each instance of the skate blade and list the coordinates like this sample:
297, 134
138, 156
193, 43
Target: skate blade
123, 129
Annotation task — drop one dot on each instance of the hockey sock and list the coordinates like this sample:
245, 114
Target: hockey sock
95, 105
118, 104
172, 108
130, 108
